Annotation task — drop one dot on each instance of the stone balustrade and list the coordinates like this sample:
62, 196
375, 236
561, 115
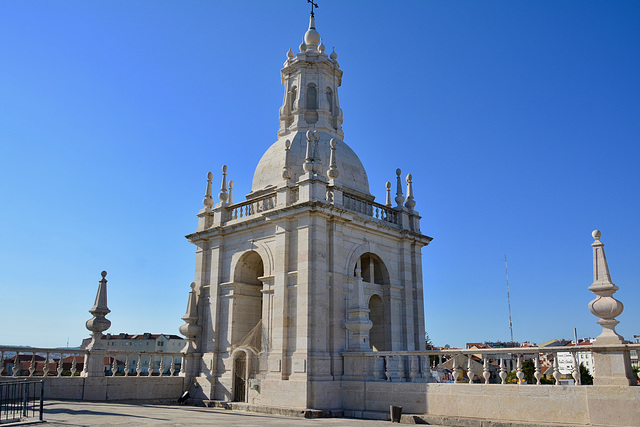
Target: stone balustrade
55, 362
252, 207
473, 366
369, 208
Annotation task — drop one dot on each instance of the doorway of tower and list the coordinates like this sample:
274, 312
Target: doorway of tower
240, 377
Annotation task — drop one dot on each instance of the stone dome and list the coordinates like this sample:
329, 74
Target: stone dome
352, 174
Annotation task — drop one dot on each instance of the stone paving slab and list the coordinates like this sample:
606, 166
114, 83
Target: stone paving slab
81, 413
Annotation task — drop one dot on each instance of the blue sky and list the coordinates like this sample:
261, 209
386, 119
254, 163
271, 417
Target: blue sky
520, 122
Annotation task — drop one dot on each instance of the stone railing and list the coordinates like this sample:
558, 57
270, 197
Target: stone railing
481, 366
252, 207
369, 208
52, 362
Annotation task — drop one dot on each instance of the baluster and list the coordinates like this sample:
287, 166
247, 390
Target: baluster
114, 365
537, 374
556, 369
503, 371
414, 368
32, 365
470, 372
519, 372
85, 365
425, 367
485, 368
172, 370
182, 370
139, 365
439, 368
45, 370
126, 366
16, 364
73, 365
401, 367
387, 367
576, 371
161, 368
454, 370
376, 368
60, 365
150, 365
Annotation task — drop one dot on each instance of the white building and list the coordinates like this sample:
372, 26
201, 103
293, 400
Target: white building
585, 357
309, 266
143, 343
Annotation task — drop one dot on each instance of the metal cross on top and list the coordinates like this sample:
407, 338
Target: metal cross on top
312, 6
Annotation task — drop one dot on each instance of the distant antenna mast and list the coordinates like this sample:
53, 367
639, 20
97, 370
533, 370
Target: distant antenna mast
506, 270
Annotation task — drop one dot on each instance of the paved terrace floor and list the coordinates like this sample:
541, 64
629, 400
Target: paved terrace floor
76, 413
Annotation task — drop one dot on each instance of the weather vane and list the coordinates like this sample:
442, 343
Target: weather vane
312, 6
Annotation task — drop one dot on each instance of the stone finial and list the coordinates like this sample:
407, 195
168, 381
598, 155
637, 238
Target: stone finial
286, 169
303, 46
333, 172
333, 55
308, 161
388, 201
605, 306
410, 204
290, 54
399, 196
99, 323
312, 37
208, 200
230, 192
191, 329
321, 47
311, 159
223, 189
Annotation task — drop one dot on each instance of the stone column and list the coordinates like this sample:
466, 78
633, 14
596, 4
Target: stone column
612, 366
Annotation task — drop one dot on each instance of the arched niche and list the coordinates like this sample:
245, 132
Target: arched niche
379, 338
247, 296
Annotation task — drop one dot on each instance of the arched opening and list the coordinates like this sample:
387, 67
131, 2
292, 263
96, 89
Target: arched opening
293, 95
312, 97
377, 335
373, 269
375, 278
330, 100
311, 104
240, 377
247, 296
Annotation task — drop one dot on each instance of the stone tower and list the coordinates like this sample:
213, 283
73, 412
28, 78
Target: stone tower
309, 266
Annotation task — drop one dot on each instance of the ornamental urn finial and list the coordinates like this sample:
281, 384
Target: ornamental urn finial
399, 196
99, 323
191, 329
223, 189
333, 172
410, 204
605, 306
208, 200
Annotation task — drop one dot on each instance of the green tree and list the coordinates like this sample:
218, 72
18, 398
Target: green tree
528, 368
635, 372
511, 378
585, 376
427, 341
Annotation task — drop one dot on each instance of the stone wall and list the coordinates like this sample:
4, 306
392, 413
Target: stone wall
156, 389
582, 405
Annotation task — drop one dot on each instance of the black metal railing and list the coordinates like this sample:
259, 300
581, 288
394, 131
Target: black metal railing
21, 400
